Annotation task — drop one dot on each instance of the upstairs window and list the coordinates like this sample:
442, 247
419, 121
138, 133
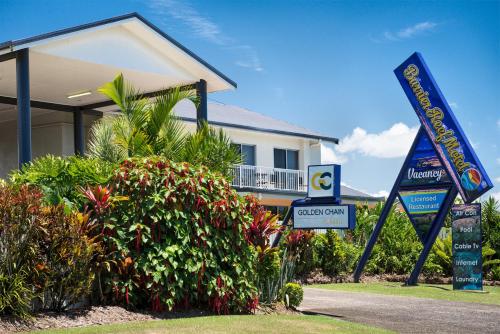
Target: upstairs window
247, 153
286, 159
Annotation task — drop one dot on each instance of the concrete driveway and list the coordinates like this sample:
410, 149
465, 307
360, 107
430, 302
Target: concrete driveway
403, 314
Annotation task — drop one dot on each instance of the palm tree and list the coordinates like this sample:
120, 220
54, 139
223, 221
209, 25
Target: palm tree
145, 128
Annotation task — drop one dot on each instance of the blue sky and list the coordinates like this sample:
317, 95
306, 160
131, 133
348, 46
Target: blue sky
326, 65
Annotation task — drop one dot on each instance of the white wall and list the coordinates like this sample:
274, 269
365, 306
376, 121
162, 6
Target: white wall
51, 133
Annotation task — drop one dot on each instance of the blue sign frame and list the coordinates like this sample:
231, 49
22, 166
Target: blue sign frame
452, 150
335, 193
443, 129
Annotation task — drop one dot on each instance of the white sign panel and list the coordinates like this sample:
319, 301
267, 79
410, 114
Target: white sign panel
321, 181
321, 216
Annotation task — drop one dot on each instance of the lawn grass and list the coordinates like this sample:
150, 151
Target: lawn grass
435, 291
269, 324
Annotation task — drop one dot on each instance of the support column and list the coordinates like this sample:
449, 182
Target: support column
23, 107
201, 110
78, 133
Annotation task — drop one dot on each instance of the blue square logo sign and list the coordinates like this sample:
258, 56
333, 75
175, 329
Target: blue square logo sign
323, 181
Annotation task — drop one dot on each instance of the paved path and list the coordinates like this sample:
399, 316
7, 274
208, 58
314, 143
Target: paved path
404, 314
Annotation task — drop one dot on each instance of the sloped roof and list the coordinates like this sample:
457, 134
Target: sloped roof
349, 192
80, 59
238, 117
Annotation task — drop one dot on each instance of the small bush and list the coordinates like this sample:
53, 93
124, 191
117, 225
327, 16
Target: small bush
15, 295
331, 255
292, 294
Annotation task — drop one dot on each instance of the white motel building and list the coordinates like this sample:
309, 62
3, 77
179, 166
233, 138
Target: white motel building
49, 100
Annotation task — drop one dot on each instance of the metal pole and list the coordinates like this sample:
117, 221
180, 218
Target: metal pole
433, 233
23, 107
288, 215
202, 109
78, 133
385, 211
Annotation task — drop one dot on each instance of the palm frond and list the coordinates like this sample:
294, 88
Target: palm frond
102, 142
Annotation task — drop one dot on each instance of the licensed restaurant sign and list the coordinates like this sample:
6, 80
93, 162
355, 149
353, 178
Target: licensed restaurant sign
467, 250
422, 207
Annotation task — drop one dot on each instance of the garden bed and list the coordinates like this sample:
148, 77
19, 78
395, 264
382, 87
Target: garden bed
318, 277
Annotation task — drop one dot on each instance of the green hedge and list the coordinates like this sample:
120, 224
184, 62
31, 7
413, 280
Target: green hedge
176, 236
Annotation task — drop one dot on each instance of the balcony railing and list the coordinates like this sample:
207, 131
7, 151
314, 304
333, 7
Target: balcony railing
268, 178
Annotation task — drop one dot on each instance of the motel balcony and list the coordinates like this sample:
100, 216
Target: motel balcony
252, 178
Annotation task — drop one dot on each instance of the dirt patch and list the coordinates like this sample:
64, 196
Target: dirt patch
277, 309
96, 315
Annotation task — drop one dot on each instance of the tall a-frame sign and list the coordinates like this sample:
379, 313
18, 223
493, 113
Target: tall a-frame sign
441, 163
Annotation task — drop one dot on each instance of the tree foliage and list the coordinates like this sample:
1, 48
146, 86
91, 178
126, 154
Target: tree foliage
145, 128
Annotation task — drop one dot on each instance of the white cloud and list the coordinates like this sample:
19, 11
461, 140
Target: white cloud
329, 156
454, 105
407, 32
248, 57
392, 143
203, 27
200, 25
497, 179
495, 195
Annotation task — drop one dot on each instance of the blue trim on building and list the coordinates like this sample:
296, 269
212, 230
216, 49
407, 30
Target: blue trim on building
277, 132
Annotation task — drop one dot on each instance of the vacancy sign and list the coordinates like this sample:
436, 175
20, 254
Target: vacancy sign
323, 181
324, 216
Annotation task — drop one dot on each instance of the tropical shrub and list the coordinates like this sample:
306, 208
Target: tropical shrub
299, 244
60, 178
179, 238
397, 247
15, 295
442, 255
144, 129
44, 252
491, 224
65, 269
292, 294
331, 254
270, 287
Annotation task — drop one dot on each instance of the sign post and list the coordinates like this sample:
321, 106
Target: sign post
322, 208
441, 163
467, 250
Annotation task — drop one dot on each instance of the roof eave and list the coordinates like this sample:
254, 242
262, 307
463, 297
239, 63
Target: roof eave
273, 131
37, 38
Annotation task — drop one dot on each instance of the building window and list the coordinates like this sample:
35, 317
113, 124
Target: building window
286, 159
247, 153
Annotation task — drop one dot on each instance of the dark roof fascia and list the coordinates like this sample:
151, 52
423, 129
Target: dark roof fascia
11, 44
278, 132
